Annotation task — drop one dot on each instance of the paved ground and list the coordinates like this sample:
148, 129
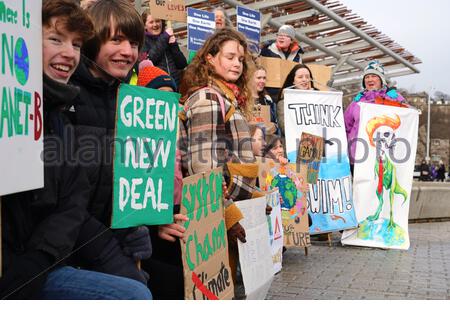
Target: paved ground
422, 272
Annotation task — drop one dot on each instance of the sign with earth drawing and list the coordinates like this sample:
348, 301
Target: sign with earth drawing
21, 144
293, 189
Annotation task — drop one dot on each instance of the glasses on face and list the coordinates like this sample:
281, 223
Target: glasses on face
282, 36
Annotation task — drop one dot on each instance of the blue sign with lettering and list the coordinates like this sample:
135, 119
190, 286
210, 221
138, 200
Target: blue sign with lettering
249, 23
201, 24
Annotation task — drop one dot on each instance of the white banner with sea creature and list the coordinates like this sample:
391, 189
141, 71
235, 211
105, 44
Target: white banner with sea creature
330, 203
384, 166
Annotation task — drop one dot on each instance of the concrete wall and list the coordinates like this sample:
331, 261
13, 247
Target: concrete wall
430, 200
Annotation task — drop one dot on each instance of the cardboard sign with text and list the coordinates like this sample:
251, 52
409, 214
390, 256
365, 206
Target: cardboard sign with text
309, 154
144, 157
173, 10
278, 69
207, 274
293, 189
261, 113
21, 102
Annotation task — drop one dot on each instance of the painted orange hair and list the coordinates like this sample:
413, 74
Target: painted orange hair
377, 122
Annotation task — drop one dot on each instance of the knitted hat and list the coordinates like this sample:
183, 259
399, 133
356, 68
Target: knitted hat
155, 78
376, 68
287, 30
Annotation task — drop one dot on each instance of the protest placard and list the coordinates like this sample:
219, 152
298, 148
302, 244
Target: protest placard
275, 229
249, 23
21, 113
255, 256
207, 274
320, 113
200, 25
1, 239
293, 189
261, 113
310, 155
383, 176
172, 10
144, 156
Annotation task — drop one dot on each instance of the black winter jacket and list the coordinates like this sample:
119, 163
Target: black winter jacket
40, 227
165, 55
94, 120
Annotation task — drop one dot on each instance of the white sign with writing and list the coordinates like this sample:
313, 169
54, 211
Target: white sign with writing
21, 113
255, 255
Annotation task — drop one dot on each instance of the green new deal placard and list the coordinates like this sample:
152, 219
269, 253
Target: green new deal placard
144, 157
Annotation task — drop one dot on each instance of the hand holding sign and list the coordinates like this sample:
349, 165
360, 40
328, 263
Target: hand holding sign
171, 232
236, 232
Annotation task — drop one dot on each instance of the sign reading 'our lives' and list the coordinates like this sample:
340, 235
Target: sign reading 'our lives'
249, 23
201, 24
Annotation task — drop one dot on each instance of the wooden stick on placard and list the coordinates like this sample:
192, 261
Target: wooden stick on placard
1, 250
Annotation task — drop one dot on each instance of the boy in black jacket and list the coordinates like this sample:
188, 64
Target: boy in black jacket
43, 230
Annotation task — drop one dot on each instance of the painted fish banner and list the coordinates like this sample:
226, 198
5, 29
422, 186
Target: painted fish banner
144, 157
320, 113
383, 176
293, 189
275, 224
207, 273
21, 100
255, 255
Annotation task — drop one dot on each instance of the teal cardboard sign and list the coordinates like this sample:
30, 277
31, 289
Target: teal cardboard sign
144, 157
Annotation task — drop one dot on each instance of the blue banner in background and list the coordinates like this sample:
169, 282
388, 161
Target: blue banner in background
200, 25
249, 23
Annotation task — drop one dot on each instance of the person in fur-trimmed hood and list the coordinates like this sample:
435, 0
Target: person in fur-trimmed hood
285, 46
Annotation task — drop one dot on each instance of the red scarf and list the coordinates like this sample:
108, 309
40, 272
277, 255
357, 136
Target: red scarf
240, 98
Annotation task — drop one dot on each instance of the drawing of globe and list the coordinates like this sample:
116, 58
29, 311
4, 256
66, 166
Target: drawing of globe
21, 62
287, 189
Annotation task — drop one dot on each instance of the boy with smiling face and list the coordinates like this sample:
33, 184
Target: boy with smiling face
42, 228
109, 57
108, 60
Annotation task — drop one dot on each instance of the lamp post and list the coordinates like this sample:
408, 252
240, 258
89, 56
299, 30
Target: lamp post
429, 122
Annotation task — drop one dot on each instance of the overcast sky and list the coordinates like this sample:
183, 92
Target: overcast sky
422, 28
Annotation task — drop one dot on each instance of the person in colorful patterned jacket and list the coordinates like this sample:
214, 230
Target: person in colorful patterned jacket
375, 90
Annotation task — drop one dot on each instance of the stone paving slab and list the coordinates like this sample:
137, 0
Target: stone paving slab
342, 273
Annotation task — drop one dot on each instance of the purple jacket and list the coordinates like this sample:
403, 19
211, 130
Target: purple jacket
351, 114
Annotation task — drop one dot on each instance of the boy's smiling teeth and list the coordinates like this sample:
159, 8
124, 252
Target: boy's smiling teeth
61, 67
